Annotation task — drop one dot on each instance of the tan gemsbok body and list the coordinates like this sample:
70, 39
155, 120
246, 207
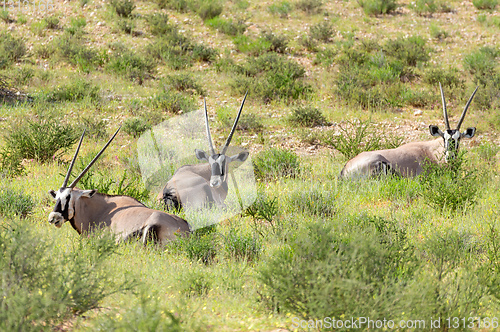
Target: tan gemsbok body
408, 159
197, 186
87, 210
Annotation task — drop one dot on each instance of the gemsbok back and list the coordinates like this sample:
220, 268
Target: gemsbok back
408, 159
200, 185
88, 210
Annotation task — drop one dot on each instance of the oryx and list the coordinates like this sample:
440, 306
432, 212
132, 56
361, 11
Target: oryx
203, 184
87, 210
407, 160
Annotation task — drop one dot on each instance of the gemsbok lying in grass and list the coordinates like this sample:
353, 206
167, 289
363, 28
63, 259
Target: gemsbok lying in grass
87, 210
407, 160
200, 185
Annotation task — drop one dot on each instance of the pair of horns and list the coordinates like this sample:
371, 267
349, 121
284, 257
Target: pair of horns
446, 122
228, 141
73, 184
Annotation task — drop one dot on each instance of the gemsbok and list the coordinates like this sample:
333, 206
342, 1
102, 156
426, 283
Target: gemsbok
200, 185
87, 210
408, 159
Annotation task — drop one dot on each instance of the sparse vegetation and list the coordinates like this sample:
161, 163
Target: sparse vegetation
307, 116
485, 4
377, 7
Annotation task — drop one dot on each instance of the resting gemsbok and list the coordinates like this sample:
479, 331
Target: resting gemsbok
407, 160
200, 185
87, 210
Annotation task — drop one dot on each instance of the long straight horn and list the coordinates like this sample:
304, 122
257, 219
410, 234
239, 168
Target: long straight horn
212, 151
73, 161
446, 122
73, 184
465, 109
228, 141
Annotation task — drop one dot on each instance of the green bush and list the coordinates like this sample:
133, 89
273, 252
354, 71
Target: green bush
95, 127
242, 246
449, 78
271, 77
322, 31
136, 126
72, 49
410, 50
282, 8
76, 90
196, 283
485, 4
208, 9
44, 286
4, 16
12, 49
131, 65
309, 6
52, 22
42, 139
452, 186
158, 24
424, 7
123, 8
184, 82
227, 26
482, 63
14, 203
173, 102
307, 116
276, 163
312, 201
126, 25
76, 26
250, 122
437, 33
201, 246
38, 28
377, 7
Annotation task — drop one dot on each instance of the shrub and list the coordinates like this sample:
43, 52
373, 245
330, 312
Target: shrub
276, 163
282, 8
246, 44
209, 9
356, 137
307, 116
250, 122
126, 25
242, 246
201, 246
377, 7
485, 4
322, 31
123, 8
4, 16
312, 201
42, 140
228, 27
437, 33
95, 127
15, 203
271, 77
263, 208
136, 126
72, 49
178, 5
158, 24
196, 283
76, 26
184, 82
52, 22
77, 89
309, 6
424, 7
447, 77
43, 286
132, 65
23, 75
12, 49
451, 186
43, 51
482, 63
38, 28
173, 102
410, 50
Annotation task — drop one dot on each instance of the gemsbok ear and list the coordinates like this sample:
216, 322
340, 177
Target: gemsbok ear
435, 131
52, 193
89, 193
469, 132
242, 156
200, 154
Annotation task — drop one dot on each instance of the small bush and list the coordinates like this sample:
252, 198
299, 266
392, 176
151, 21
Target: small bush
276, 163
14, 203
447, 77
72, 49
451, 186
410, 50
184, 82
424, 7
42, 140
76, 26
209, 9
242, 246
126, 25
312, 201
437, 33
123, 8
43, 51
136, 126
77, 89
38, 28
228, 27
309, 6
158, 24
12, 49
485, 4
23, 75
132, 65
4, 16
482, 63
282, 8
377, 7
307, 116
263, 208
52, 22
201, 246
250, 122
178, 5
322, 31
95, 127
196, 283
173, 102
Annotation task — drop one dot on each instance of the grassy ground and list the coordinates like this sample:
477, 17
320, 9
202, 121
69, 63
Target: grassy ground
312, 247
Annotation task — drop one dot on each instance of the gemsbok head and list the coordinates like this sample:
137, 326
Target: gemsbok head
88, 210
206, 183
408, 159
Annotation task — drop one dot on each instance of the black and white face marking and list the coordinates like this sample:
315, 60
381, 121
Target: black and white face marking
219, 165
62, 211
451, 139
